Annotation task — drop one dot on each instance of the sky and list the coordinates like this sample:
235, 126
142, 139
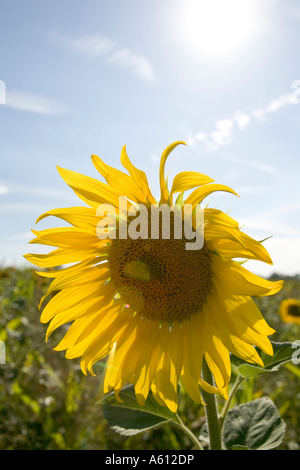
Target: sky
87, 77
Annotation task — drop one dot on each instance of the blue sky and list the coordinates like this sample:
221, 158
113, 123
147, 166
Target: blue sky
87, 77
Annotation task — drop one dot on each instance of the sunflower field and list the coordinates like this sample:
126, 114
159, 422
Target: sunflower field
47, 403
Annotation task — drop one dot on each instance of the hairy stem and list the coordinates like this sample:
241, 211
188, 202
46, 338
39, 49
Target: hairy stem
211, 411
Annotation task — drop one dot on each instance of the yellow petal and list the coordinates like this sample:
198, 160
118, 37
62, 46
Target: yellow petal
187, 180
236, 280
208, 387
119, 181
128, 360
138, 176
92, 191
191, 386
147, 362
121, 363
228, 334
85, 330
192, 358
245, 308
223, 235
103, 342
229, 249
81, 217
215, 348
164, 197
217, 217
87, 276
81, 328
238, 326
165, 380
85, 308
78, 267
66, 237
245, 329
199, 194
61, 256
217, 374
176, 355
216, 232
156, 395
193, 348
73, 296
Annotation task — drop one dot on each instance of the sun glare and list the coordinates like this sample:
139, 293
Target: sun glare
217, 30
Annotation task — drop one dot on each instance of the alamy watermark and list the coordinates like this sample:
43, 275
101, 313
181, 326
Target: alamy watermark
132, 221
296, 354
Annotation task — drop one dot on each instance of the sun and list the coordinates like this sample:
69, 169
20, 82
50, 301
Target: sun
217, 30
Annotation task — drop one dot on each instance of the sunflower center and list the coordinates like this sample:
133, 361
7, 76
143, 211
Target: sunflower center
294, 310
159, 278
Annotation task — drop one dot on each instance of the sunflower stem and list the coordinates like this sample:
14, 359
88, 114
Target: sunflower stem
189, 433
211, 411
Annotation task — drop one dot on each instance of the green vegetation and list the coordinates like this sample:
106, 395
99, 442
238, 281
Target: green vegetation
47, 403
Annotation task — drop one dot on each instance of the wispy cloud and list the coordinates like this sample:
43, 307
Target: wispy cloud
241, 119
93, 45
98, 46
10, 188
264, 167
223, 133
139, 64
279, 103
34, 103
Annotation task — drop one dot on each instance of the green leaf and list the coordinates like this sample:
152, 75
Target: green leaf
256, 425
283, 353
130, 418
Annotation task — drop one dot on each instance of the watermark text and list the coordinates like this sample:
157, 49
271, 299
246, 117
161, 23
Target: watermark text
137, 221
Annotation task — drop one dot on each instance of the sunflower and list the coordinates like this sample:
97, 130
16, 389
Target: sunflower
153, 308
290, 311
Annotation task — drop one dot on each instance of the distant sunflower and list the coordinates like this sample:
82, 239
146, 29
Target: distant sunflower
290, 311
154, 308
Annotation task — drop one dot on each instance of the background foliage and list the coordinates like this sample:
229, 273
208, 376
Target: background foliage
47, 403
